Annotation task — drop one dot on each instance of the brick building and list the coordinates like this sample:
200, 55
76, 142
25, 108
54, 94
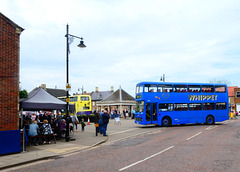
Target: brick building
9, 77
237, 99
234, 98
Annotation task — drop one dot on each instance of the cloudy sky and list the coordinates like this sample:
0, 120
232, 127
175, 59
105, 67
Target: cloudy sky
128, 41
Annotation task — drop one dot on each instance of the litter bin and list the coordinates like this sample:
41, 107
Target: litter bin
231, 115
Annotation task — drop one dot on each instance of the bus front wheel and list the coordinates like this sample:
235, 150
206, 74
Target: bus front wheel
166, 122
210, 120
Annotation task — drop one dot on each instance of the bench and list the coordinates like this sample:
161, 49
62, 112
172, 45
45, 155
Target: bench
42, 136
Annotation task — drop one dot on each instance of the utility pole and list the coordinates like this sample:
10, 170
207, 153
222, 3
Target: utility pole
81, 89
162, 78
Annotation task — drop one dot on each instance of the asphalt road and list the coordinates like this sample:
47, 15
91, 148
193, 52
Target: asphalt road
178, 148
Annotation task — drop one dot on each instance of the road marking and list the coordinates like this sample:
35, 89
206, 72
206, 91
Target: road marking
208, 128
131, 136
194, 136
122, 131
211, 127
145, 159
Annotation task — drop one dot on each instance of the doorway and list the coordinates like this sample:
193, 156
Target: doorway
151, 113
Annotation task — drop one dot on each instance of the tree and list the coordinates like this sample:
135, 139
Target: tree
220, 81
23, 94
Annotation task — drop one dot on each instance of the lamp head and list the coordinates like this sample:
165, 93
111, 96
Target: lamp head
81, 44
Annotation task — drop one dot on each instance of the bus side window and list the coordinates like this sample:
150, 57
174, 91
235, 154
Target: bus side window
207, 88
220, 89
220, 106
180, 88
181, 106
208, 106
160, 89
150, 88
165, 107
194, 88
164, 88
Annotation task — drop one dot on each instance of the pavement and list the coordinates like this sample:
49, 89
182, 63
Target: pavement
83, 140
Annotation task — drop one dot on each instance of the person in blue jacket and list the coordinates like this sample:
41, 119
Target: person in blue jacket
33, 131
105, 118
100, 122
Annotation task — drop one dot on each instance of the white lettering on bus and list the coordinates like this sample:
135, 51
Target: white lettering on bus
202, 97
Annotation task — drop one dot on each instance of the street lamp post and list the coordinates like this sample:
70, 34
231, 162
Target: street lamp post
162, 78
81, 45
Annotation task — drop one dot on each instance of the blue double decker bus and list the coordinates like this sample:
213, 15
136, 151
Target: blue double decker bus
168, 103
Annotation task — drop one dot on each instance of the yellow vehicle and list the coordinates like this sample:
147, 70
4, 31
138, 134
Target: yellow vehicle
82, 103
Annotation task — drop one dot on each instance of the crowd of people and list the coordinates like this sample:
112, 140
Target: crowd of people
48, 123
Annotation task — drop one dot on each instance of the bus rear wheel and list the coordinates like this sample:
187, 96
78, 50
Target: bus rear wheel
166, 122
210, 120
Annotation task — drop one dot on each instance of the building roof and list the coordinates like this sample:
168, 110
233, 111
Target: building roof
11, 22
56, 92
119, 97
231, 90
100, 95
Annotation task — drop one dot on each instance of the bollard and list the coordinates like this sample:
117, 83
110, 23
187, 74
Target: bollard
231, 115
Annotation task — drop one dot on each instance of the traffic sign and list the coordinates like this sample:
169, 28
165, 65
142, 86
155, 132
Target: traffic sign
68, 87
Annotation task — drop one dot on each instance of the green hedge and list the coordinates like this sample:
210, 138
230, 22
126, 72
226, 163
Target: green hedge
85, 117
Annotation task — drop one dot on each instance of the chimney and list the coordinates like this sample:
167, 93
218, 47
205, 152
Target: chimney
43, 86
96, 90
112, 88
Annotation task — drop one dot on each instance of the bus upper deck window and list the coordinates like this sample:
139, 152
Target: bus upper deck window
194, 88
139, 89
84, 98
220, 89
207, 88
180, 88
150, 88
164, 88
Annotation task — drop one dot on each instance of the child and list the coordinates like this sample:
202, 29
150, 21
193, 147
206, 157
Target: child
83, 124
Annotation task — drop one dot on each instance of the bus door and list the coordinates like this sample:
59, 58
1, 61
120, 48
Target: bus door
151, 113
